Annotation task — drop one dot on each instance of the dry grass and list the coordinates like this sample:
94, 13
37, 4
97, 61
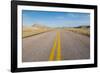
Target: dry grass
30, 31
84, 31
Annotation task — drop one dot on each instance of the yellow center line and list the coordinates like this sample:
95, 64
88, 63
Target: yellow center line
59, 47
56, 46
53, 50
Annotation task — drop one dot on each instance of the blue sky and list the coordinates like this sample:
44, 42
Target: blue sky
55, 19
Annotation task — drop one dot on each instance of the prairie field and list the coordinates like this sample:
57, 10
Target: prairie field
83, 31
30, 31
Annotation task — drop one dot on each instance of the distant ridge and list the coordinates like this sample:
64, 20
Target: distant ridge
83, 26
39, 26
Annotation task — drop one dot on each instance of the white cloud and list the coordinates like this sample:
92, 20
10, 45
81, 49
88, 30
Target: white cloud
60, 17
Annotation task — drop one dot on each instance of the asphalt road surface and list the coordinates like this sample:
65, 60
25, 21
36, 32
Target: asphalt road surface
56, 45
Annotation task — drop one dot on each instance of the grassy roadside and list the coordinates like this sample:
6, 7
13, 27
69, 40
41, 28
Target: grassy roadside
30, 31
35, 34
83, 31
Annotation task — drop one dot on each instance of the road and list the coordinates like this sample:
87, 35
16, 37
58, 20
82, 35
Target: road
56, 45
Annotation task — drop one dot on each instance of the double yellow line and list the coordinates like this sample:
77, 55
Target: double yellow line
57, 48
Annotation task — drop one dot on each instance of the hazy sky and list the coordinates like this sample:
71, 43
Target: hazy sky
55, 19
